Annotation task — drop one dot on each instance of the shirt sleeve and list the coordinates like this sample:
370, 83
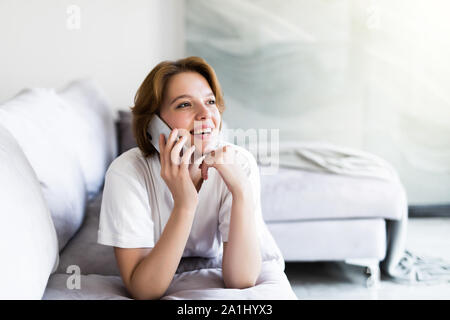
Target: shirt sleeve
250, 167
125, 214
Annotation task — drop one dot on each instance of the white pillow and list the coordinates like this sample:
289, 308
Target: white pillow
44, 126
28, 242
98, 137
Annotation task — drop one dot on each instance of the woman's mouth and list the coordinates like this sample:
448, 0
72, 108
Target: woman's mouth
202, 134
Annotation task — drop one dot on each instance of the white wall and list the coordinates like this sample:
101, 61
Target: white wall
117, 44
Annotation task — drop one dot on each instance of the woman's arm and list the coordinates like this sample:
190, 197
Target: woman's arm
147, 273
241, 262
149, 277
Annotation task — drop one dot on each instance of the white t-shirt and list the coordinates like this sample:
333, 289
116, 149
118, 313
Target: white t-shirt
137, 203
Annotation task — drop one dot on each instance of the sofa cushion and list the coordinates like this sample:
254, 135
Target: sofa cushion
28, 242
92, 287
296, 195
84, 251
94, 129
42, 125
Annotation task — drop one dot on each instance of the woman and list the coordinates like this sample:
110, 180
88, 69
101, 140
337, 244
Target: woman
160, 207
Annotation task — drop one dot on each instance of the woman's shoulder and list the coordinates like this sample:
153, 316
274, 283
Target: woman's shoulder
131, 162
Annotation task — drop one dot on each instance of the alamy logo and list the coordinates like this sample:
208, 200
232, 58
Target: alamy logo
73, 21
74, 280
373, 16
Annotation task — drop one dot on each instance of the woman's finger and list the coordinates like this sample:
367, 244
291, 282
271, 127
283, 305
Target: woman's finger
198, 162
169, 144
162, 145
186, 159
210, 158
175, 153
205, 166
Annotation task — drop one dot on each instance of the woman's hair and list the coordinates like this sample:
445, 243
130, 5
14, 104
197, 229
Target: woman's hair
150, 95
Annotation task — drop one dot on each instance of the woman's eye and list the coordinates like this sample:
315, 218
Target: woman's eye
212, 102
183, 105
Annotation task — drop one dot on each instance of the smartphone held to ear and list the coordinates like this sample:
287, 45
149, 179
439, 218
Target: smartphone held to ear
155, 128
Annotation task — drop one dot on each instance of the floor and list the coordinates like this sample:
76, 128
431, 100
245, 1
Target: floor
337, 280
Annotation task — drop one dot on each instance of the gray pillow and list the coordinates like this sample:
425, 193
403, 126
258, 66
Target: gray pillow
125, 134
84, 251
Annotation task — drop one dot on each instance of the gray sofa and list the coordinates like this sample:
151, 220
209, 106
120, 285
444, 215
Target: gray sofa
55, 149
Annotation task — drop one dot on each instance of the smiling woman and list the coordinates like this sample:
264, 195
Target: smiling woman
160, 207
194, 109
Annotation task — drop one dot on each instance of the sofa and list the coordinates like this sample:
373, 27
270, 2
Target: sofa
55, 147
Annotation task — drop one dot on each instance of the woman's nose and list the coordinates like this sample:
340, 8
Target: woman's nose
203, 111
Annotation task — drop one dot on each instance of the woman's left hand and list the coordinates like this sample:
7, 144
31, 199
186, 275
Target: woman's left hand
225, 161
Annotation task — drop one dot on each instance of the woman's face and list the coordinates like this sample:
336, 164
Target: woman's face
190, 104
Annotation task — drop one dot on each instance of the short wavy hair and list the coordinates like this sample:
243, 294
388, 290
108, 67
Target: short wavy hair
150, 95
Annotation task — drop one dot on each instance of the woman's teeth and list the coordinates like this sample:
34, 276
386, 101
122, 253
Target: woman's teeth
203, 131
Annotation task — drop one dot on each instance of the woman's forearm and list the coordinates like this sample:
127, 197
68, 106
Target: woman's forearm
154, 273
241, 263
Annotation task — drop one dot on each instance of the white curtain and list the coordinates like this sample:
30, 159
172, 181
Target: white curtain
373, 75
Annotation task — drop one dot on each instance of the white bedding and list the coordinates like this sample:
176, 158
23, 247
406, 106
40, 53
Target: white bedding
207, 284
200, 284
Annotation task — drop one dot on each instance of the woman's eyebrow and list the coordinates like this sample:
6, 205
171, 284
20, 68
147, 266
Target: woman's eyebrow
189, 96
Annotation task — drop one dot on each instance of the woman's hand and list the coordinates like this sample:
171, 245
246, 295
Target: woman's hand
175, 171
225, 161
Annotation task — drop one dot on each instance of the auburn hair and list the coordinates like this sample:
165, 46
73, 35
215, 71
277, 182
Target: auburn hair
150, 95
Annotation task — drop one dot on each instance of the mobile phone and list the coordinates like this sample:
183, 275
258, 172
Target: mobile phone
155, 128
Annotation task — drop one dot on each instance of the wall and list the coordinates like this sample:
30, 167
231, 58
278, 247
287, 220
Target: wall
44, 44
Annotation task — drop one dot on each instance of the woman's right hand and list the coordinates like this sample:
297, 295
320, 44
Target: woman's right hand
175, 171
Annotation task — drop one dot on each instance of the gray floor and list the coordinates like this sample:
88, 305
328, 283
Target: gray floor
337, 280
